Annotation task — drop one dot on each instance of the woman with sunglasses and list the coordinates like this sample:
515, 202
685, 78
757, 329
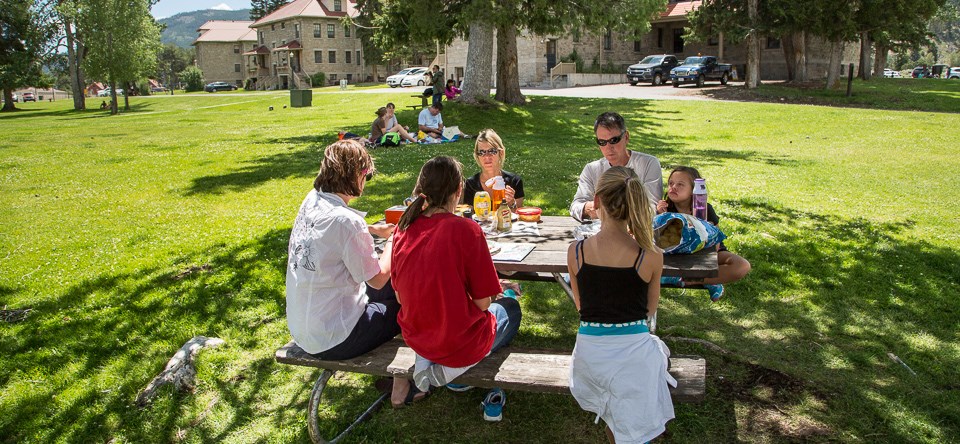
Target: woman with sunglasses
340, 303
490, 154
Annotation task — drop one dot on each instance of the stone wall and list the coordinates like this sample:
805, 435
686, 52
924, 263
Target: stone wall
222, 61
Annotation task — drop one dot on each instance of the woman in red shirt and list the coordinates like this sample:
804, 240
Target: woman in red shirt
452, 312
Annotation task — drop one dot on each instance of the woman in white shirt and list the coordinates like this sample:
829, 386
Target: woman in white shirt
340, 303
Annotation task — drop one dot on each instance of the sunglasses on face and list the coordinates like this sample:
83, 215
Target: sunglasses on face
490, 152
367, 174
613, 140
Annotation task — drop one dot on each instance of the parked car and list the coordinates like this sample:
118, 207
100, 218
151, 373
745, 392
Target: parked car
700, 69
16, 98
416, 77
954, 73
654, 69
29, 97
394, 80
219, 86
106, 92
158, 89
891, 74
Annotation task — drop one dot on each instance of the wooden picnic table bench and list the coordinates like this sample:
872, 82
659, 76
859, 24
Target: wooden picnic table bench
510, 368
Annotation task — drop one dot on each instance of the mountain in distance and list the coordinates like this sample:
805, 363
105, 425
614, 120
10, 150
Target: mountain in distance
181, 29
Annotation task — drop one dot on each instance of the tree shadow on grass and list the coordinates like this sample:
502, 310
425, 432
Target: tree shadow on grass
103, 339
827, 299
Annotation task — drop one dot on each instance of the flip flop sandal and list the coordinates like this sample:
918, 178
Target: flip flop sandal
411, 397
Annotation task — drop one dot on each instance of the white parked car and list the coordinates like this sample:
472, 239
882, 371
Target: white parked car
415, 77
106, 92
394, 80
889, 73
954, 73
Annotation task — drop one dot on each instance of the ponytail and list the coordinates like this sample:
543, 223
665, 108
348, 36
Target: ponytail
439, 179
624, 197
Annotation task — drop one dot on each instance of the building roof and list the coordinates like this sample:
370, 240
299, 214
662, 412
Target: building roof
678, 10
225, 31
308, 8
292, 45
260, 50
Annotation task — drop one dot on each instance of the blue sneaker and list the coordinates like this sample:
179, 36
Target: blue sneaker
493, 405
716, 291
458, 387
673, 281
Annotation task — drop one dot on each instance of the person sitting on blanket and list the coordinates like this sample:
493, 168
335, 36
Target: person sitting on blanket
380, 127
490, 154
618, 370
453, 312
431, 122
392, 121
340, 303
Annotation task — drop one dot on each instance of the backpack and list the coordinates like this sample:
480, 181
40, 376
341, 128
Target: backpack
389, 139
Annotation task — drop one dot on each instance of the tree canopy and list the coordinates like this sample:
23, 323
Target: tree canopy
25, 36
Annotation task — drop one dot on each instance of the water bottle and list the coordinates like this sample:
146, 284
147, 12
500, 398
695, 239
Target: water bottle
700, 199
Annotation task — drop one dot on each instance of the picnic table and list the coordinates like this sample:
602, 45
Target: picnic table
549, 257
423, 101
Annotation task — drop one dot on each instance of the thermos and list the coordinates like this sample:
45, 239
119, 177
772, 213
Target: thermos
700, 199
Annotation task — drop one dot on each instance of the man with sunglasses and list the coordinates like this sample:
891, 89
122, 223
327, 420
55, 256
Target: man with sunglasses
612, 137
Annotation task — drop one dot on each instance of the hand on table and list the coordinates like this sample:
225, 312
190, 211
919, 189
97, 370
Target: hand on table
381, 230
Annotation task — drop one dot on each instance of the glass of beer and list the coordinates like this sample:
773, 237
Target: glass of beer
497, 190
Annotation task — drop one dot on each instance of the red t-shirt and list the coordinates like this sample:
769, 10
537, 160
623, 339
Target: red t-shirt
439, 265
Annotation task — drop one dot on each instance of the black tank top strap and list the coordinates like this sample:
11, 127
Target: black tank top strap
636, 263
578, 251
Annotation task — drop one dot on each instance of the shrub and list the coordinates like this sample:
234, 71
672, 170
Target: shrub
193, 77
318, 79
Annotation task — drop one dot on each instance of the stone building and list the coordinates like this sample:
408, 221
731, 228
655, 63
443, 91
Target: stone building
538, 54
303, 38
219, 50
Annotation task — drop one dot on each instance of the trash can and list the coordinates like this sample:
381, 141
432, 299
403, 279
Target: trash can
300, 98
40, 98
343, 84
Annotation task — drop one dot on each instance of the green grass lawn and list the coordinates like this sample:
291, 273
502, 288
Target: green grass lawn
128, 235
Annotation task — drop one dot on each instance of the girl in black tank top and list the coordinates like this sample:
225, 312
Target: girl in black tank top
611, 294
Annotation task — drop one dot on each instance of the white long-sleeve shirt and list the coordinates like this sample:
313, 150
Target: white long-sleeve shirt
646, 166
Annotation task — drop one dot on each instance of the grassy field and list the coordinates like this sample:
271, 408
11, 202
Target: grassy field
128, 235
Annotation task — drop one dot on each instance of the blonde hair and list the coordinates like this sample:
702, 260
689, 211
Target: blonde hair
623, 197
490, 136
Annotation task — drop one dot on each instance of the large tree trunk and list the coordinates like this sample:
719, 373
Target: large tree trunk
833, 70
8, 100
126, 97
113, 97
865, 58
880, 60
74, 57
753, 47
479, 70
508, 74
786, 43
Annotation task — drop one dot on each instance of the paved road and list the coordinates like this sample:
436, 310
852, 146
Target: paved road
618, 91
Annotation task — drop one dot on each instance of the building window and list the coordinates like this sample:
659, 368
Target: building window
358, 58
333, 78
318, 57
332, 58
273, 44
346, 58
337, 5
236, 67
317, 30
283, 42
296, 31
331, 31
659, 37
283, 25
636, 46
273, 26
236, 49
260, 33
608, 40
349, 77
576, 35
773, 43
713, 41
346, 31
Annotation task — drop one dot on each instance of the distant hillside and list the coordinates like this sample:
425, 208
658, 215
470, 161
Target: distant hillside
182, 28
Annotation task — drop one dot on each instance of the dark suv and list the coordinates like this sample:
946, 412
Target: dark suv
654, 69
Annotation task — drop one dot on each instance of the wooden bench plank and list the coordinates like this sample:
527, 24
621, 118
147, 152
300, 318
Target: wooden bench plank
511, 368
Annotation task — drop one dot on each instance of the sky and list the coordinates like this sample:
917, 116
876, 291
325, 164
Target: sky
166, 8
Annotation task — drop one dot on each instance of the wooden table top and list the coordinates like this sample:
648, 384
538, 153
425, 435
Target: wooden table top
556, 234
